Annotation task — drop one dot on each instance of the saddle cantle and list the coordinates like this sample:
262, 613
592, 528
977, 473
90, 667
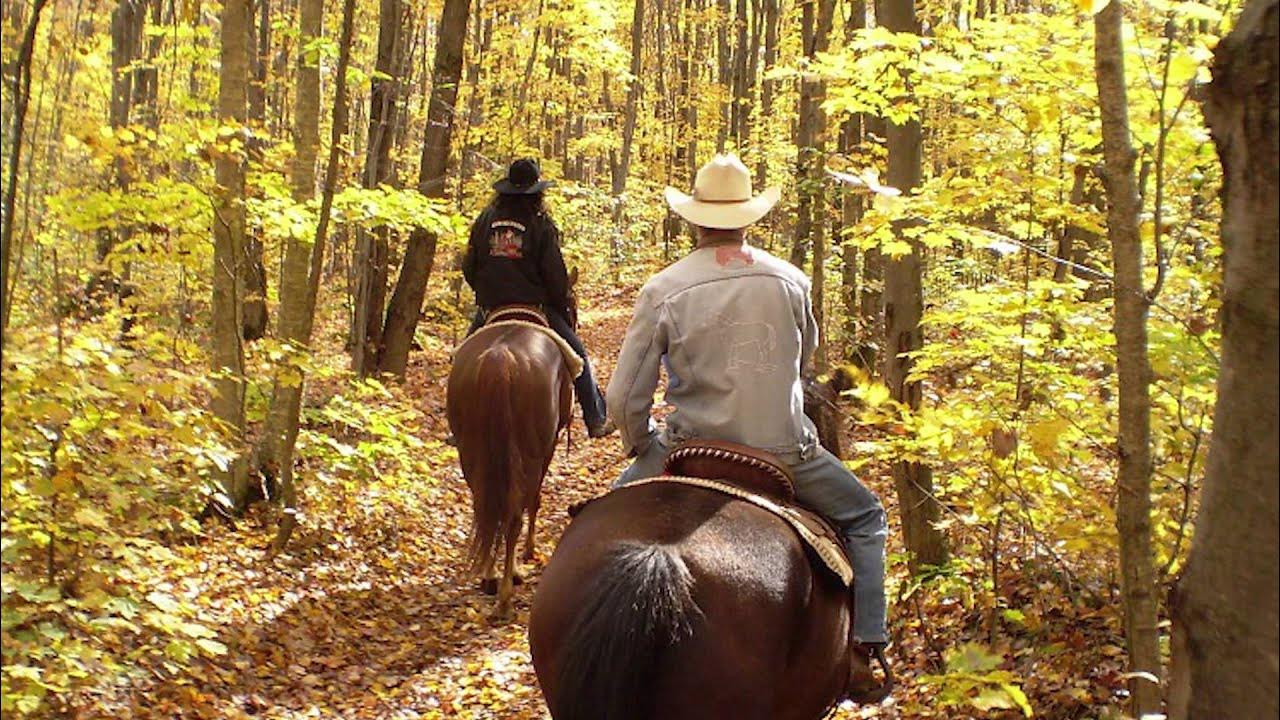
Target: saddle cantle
528, 316
744, 466
523, 313
760, 479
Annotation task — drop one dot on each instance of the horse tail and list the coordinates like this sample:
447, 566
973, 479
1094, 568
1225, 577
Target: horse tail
640, 604
495, 489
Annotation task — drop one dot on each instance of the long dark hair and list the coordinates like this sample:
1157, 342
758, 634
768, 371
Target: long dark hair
527, 206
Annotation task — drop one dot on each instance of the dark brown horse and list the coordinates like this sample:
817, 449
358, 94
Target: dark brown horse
509, 395
677, 602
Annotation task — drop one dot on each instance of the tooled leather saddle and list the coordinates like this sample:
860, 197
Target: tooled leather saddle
758, 478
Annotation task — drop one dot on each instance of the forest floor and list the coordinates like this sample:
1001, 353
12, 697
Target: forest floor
368, 614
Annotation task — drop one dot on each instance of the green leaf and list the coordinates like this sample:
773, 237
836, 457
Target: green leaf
973, 658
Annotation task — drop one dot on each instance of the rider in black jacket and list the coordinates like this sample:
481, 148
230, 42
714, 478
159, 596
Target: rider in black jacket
514, 257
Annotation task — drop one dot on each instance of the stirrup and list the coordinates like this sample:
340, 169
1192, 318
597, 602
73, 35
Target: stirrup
876, 695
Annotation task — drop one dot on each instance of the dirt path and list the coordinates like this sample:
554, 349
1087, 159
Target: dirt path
368, 615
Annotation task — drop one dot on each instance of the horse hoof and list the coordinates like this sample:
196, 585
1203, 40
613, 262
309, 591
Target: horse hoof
501, 617
489, 586
517, 580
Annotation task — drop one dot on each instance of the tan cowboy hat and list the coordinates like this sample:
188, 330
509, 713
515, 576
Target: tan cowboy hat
722, 197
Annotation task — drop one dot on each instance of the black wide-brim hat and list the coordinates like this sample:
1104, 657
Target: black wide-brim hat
522, 179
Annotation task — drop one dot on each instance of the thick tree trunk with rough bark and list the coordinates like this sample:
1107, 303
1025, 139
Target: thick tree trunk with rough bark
1133, 370
1225, 639
903, 308
419, 257
372, 248
226, 341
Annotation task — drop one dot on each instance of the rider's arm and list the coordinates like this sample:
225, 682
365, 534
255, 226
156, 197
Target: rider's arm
478, 229
808, 329
630, 394
555, 277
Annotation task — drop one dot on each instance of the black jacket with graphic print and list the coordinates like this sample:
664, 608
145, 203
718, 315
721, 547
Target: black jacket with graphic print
512, 259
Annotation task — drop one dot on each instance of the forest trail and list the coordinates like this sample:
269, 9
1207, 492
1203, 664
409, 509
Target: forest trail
367, 615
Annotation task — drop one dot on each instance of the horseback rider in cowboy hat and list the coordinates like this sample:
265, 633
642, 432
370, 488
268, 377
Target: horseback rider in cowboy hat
513, 258
733, 327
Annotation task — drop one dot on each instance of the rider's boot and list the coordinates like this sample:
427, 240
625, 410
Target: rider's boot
863, 687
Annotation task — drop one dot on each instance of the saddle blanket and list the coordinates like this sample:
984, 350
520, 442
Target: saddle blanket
812, 529
571, 358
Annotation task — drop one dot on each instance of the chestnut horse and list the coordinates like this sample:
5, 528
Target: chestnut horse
681, 603
509, 395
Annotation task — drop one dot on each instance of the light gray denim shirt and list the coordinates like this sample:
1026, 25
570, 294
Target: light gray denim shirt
733, 326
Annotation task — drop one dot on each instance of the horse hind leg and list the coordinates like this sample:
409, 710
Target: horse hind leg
504, 612
489, 577
530, 539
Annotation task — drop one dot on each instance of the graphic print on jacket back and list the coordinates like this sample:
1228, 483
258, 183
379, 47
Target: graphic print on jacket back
506, 239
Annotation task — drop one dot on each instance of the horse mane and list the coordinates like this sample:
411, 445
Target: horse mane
641, 604
497, 497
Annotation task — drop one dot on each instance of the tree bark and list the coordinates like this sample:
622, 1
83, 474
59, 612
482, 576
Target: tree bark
406, 302
17, 121
227, 343
372, 248
127, 21
851, 205
903, 308
1225, 621
816, 23
295, 317
634, 87
724, 70
741, 81
255, 267
1133, 504
299, 310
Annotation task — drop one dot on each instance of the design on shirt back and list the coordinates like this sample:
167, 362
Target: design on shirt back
506, 239
747, 345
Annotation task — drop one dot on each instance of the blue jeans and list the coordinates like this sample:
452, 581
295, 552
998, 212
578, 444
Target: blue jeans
824, 484
584, 386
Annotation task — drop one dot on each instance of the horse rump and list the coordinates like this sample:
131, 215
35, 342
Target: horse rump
639, 604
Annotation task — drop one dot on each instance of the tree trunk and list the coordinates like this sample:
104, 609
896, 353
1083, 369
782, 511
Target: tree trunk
255, 269
629, 121
298, 311
810, 157
1225, 610
294, 315
903, 308
406, 302
741, 81
851, 204
127, 21
815, 30
227, 343
1133, 504
372, 248
17, 121
724, 70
